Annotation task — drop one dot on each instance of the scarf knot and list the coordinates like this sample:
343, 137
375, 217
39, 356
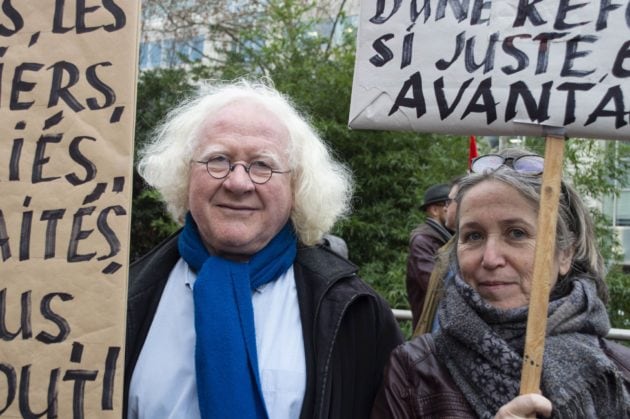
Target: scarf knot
482, 348
226, 361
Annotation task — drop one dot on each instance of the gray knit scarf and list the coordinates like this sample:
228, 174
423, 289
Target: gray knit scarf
482, 348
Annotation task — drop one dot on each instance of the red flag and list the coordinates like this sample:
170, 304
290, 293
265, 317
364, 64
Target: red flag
472, 150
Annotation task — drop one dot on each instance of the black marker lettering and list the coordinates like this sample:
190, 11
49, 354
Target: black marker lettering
51, 217
528, 11
4, 239
484, 92
618, 69
94, 81
537, 112
77, 235
40, 160
19, 85
25, 232
9, 373
443, 107
385, 54
614, 95
57, 91
25, 317
522, 60
14, 16
58, 18
119, 16
107, 232
77, 156
59, 321
380, 8
563, 9
25, 408
571, 88
14, 162
416, 101
572, 53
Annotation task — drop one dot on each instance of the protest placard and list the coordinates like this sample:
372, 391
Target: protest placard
490, 67
499, 67
68, 74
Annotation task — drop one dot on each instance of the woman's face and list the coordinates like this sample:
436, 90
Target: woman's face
495, 250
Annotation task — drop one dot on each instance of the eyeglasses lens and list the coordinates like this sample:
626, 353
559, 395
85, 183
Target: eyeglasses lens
529, 165
532, 165
489, 162
218, 168
259, 172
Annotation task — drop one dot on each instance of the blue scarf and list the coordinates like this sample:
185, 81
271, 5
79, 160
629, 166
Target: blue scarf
228, 384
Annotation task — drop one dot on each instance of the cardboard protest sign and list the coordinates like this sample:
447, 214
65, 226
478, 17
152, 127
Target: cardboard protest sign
493, 67
67, 104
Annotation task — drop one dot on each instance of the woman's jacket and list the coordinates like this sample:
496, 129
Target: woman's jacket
417, 385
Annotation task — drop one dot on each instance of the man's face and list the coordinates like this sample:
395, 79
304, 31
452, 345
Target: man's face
451, 210
437, 211
236, 217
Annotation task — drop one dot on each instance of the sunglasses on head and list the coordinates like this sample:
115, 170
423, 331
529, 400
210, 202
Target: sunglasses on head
530, 164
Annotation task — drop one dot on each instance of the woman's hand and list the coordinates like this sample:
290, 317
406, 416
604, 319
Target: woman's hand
525, 406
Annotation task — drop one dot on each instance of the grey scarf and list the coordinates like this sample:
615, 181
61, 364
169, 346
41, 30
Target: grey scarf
482, 348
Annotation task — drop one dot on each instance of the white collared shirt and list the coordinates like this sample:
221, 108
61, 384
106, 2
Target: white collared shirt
163, 384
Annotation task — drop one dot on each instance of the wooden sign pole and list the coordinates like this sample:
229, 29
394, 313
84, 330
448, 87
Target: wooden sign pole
543, 265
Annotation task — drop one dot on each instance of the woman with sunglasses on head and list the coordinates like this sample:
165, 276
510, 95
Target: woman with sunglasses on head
471, 367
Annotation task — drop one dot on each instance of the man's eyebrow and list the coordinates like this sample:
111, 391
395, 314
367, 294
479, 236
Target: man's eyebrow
264, 154
267, 154
212, 149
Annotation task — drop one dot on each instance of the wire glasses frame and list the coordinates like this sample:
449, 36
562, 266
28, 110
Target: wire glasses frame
529, 164
259, 172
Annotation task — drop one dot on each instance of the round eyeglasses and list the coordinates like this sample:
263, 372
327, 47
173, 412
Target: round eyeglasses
258, 171
530, 164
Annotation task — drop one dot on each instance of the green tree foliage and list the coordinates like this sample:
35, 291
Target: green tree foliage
392, 169
291, 46
158, 91
600, 168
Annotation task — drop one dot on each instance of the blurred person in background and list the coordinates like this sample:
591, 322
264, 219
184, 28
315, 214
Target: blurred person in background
424, 242
442, 274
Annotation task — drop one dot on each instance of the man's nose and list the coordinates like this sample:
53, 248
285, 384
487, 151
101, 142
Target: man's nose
238, 179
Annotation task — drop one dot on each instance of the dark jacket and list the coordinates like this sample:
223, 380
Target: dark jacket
417, 385
424, 243
348, 329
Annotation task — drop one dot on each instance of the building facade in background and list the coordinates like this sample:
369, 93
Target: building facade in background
175, 32
617, 208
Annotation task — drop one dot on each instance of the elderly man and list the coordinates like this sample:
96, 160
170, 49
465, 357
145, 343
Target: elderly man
244, 313
424, 243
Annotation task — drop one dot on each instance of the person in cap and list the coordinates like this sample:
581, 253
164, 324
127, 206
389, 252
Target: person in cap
424, 243
442, 274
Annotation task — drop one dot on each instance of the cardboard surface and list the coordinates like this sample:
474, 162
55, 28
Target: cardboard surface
67, 104
490, 67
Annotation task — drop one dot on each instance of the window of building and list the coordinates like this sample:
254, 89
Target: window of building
169, 53
618, 209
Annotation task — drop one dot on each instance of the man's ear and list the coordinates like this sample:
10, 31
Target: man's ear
433, 211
